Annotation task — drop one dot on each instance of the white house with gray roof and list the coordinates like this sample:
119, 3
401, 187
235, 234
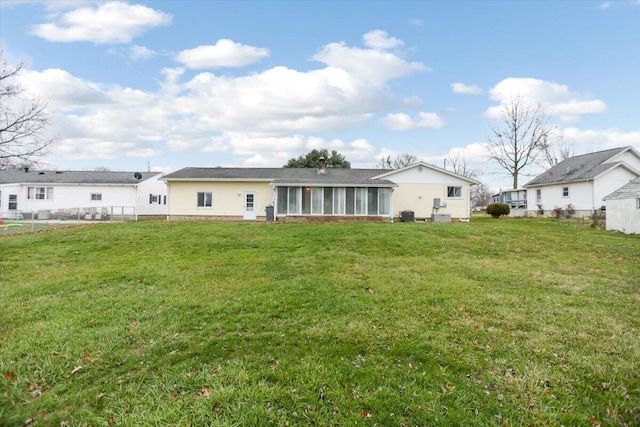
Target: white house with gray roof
28, 193
623, 208
583, 181
427, 191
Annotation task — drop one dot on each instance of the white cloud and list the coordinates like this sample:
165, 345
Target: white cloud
108, 23
464, 89
373, 66
258, 150
141, 53
588, 140
63, 90
249, 116
225, 53
415, 22
560, 102
605, 5
380, 40
402, 121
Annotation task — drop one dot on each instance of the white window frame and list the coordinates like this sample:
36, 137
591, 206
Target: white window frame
95, 197
565, 191
40, 193
204, 204
13, 202
457, 191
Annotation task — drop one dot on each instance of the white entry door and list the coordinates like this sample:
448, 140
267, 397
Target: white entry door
249, 206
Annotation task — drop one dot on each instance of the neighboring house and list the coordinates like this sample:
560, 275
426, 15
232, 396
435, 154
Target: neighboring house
623, 208
583, 181
515, 198
51, 194
323, 193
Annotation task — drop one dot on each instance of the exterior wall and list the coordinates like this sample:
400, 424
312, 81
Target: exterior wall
228, 198
158, 188
610, 182
67, 197
580, 197
420, 199
5, 191
623, 215
629, 158
420, 185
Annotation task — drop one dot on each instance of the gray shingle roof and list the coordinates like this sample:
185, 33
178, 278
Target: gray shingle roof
283, 176
71, 177
578, 168
631, 190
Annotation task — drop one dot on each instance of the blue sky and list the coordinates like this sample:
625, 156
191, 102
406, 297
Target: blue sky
253, 83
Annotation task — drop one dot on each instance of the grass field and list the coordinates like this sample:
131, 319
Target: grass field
497, 322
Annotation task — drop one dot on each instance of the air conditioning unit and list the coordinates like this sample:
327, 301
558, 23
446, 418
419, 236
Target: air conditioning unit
407, 216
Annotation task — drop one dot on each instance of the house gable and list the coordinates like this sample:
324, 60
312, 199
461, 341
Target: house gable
629, 156
422, 172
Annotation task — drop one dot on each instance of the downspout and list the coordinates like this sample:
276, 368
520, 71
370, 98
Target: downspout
135, 207
166, 183
275, 203
468, 201
391, 206
593, 197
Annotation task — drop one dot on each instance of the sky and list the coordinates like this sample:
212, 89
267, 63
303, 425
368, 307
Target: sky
162, 85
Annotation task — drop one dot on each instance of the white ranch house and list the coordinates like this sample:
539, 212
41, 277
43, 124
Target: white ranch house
419, 191
28, 193
583, 181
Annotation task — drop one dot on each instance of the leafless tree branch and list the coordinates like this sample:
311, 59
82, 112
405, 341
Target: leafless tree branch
459, 165
518, 141
23, 121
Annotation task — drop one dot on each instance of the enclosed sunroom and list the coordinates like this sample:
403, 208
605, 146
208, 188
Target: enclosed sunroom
296, 200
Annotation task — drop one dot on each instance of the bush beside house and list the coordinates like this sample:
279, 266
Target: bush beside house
498, 209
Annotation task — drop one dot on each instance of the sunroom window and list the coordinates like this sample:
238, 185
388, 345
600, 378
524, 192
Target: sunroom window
333, 201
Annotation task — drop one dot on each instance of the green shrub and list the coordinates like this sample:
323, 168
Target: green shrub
497, 209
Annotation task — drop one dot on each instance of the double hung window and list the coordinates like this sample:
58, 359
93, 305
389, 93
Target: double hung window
205, 199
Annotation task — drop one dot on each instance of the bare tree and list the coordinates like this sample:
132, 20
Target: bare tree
23, 120
480, 195
555, 150
519, 141
400, 161
459, 165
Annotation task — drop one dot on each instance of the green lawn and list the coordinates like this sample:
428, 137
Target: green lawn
497, 322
